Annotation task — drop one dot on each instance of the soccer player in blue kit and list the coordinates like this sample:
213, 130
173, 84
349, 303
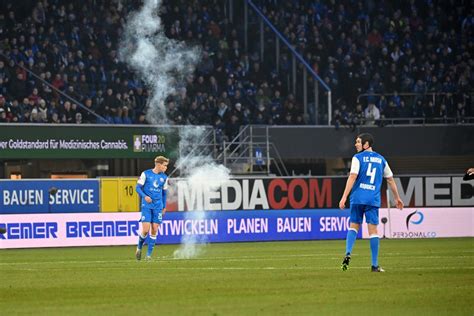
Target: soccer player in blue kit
152, 186
365, 180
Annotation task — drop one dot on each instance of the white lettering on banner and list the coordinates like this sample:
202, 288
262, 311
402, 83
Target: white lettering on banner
120, 145
258, 189
53, 144
210, 196
190, 197
231, 205
438, 191
62, 197
76, 144
259, 196
415, 187
293, 224
189, 227
433, 194
194, 198
458, 200
22, 197
334, 224
245, 194
26, 144
247, 226
3, 145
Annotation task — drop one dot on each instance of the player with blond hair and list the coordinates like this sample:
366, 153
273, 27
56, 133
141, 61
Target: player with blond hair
152, 186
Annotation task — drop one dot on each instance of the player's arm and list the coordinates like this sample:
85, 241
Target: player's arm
139, 188
165, 192
355, 166
393, 187
388, 174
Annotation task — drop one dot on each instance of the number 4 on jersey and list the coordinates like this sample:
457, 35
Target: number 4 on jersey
371, 173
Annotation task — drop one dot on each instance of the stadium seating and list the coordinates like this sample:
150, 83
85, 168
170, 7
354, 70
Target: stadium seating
380, 62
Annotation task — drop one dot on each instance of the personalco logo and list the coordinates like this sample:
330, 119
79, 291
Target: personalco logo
415, 218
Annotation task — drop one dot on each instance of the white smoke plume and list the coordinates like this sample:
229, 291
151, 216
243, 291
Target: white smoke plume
200, 172
162, 63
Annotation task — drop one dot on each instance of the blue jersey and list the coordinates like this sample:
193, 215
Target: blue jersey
153, 185
370, 168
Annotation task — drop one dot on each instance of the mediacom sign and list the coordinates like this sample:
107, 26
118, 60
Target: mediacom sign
300, 193
256, 194
426, 223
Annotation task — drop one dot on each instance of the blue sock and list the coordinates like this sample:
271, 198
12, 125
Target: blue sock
141, 240
374, 248
350, 240
151, 245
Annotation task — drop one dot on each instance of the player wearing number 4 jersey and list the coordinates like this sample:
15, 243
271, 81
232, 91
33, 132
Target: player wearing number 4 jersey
365, 180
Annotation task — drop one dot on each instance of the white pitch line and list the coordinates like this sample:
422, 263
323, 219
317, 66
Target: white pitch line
225, 259
150, 265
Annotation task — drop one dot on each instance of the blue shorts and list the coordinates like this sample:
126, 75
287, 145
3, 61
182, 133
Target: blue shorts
150, 215
371, 214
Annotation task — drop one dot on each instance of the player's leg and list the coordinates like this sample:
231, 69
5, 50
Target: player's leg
356, 221
372, 219
156, 221
351, 237
151, 245
146, 220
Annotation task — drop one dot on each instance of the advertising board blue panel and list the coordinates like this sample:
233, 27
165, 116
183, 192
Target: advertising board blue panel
105, 229
258, 225
49, 196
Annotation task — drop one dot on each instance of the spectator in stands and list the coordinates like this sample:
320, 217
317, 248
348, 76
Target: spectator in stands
78, 118
371, 114
356, 48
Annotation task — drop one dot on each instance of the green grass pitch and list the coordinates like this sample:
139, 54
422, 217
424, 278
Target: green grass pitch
424, 277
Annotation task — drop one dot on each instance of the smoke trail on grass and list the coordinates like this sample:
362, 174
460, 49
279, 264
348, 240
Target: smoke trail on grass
162, 63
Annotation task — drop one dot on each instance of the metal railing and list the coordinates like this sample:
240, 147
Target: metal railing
254, 150
312, 111
188, 149
433, 95
421, 121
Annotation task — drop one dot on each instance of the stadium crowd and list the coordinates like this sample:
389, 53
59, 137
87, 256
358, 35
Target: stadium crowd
357, 47
381, 61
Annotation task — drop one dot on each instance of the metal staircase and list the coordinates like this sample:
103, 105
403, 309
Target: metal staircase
252, 152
